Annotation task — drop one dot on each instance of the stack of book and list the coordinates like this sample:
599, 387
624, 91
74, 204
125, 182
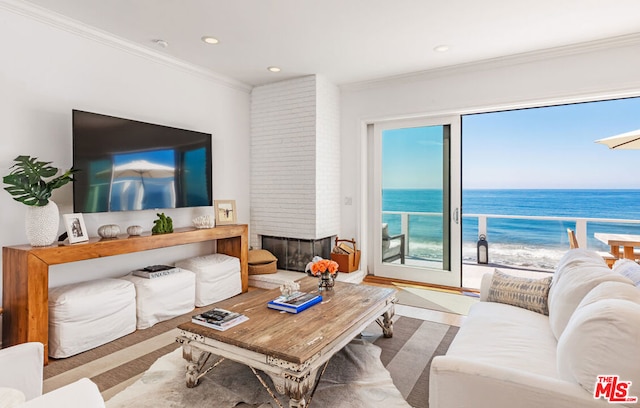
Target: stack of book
219, 319
295, 303
155, 271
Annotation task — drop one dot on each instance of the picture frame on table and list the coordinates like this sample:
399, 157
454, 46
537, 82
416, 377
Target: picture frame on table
225, 211
76, 229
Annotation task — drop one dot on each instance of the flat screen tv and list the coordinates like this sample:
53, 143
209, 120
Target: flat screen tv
126, 165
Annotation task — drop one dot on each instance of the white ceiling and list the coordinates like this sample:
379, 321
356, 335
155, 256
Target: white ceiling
349, 40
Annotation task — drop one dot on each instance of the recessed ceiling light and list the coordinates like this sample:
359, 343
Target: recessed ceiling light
210, 40
441, 48
274, 69
161, 43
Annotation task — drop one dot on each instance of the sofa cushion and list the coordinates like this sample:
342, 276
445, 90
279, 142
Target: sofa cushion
602, 337
611, 290
628, 269
571, 282
528, 293
501, 335
575, 258
385, 238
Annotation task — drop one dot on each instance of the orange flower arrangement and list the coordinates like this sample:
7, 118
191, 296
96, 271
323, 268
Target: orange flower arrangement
318, 267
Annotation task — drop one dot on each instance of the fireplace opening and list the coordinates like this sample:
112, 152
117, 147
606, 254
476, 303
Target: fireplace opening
294, 254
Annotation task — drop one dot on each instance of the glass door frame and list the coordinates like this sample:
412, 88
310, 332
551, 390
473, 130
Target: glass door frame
453, 276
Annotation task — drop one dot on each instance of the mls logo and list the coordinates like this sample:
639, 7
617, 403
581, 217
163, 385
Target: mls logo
613, 390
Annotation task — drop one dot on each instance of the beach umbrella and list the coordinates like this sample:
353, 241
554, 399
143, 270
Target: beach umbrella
143, 169
629, 140
139, 169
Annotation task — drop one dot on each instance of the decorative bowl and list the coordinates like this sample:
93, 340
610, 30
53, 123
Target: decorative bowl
204, 221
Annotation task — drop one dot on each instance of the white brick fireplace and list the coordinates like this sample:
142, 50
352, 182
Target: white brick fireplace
295, 160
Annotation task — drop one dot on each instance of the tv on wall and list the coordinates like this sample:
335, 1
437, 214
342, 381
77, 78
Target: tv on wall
126, 165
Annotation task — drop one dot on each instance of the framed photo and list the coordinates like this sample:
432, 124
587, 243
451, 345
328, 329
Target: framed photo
76, 230
225, 212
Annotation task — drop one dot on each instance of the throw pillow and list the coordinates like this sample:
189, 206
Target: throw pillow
527, 293
629, 269
11, 397
260, 256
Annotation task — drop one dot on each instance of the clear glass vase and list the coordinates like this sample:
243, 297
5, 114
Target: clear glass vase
326, 281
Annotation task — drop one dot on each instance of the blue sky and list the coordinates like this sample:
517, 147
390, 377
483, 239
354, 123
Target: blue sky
550, 147
412, 158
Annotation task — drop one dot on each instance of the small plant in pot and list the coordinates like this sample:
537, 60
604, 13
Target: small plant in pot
32, 182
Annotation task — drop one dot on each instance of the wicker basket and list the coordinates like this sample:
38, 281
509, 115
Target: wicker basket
347, 262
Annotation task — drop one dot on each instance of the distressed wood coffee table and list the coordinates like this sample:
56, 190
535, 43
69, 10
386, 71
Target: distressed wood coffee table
291, 348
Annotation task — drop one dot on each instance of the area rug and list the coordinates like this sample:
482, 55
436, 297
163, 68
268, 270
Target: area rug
354, 378
435, 299
119, 364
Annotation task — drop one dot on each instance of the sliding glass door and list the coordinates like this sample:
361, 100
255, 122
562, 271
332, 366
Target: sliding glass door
415, 200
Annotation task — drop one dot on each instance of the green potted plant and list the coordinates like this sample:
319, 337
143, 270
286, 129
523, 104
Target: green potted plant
32, 182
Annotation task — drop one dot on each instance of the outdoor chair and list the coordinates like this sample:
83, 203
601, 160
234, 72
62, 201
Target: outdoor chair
392, 246
573, 243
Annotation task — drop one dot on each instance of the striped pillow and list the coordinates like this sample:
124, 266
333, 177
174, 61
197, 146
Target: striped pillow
527, 293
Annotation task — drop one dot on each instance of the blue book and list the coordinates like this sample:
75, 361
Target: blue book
295, 304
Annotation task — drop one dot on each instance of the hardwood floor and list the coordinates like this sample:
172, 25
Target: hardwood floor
381, 281
435, 316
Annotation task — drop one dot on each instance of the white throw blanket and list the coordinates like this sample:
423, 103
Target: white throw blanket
355, 378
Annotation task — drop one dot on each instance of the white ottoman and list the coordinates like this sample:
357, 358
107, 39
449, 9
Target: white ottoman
217, 277
88, 314
164, 297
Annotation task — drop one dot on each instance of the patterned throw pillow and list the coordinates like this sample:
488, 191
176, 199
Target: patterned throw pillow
527, 293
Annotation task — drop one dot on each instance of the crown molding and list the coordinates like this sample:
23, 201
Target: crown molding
61, 22
498, 62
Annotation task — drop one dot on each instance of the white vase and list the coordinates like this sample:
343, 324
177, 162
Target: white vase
42, 224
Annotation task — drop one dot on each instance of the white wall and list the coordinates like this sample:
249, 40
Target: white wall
46, 71
573, 74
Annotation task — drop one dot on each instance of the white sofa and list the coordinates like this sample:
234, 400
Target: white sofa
21, 382
508, 356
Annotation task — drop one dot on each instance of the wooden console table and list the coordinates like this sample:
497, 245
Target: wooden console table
25, 272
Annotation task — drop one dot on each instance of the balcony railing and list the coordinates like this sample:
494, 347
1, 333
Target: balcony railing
557, 230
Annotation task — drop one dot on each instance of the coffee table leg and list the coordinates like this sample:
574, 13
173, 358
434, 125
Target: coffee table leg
387, 322
296, 388
196, 359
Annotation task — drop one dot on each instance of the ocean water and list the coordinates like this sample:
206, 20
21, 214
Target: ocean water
522, 243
